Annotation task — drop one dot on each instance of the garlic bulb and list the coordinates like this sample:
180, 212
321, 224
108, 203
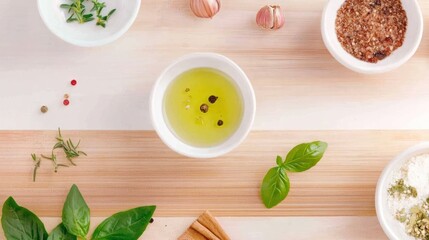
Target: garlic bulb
205, 8
270, 17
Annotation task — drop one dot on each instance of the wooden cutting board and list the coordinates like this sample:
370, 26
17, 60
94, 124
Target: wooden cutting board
295, 80
125, 169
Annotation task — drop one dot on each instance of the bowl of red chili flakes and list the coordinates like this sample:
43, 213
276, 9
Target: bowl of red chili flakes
372, 36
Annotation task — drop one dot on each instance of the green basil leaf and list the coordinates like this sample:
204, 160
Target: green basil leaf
304, 156
128, 225
275, 187
279, 161
76, 213
20, 223
60, 233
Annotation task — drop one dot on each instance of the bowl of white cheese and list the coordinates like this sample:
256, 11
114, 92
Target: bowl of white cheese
402, 195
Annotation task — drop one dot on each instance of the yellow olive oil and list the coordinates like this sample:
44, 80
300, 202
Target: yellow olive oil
203, 107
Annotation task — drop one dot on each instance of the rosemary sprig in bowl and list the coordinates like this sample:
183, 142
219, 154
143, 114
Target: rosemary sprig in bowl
78, 12
98, 8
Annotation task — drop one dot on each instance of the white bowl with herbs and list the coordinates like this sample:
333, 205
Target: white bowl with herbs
402, 195
372, 36
88, 23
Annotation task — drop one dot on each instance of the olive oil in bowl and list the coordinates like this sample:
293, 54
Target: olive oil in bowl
203, 107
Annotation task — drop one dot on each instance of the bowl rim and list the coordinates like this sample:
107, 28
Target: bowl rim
382, 181
218, 151
94, 43
371, 70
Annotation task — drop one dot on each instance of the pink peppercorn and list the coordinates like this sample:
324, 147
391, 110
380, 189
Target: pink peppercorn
66, 102
73, 82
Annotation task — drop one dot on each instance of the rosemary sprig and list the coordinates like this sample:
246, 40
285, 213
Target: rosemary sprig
77, 10
53, 158
69, 148
36, 165
98, 8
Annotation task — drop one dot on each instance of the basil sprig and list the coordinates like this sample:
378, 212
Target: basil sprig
60, 233
21, 224
125, 225
275, 186
76, 214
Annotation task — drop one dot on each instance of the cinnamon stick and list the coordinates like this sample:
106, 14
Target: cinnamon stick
206, 227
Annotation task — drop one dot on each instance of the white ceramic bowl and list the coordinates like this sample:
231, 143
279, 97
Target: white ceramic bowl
198, 60
392, 227
88, 34
401, 55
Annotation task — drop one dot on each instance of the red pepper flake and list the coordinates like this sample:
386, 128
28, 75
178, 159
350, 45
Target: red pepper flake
66, 102
371, 30
73, 82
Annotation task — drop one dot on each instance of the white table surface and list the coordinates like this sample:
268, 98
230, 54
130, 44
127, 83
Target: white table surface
115, 81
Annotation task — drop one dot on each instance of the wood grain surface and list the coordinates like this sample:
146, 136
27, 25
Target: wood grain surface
125, 169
